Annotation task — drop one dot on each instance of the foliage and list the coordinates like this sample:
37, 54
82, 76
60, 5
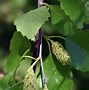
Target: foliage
29, 23
66, 50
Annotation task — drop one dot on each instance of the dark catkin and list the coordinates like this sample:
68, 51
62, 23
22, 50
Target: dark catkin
60, 53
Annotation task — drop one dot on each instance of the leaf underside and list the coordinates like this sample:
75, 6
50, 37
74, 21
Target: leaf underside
29, 23
78, 47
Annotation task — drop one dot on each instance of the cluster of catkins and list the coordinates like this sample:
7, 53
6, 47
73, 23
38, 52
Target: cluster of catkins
61, 54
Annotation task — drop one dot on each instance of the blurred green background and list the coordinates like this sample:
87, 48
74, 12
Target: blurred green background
9, 10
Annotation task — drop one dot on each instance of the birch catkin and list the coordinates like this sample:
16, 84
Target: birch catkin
60, 53
30, 80
45, 87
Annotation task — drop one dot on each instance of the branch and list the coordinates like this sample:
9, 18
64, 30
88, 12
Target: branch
39, 3
40, 52
42, 68
37, 52
36, 47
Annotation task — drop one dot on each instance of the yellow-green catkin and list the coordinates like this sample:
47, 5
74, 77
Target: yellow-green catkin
29, 80
45, 87
60, 53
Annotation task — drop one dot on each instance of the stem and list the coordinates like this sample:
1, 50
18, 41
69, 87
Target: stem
42, 4
40, 52
36, 47
48, 44
25, 53
54, 37
29, 57
42, 68
39, 2
37, 52
35, 62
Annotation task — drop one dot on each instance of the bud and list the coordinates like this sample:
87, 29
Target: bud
30, 80
60, 53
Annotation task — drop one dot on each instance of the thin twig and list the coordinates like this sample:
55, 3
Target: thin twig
39, 2
42, 68
29, 57
40, 52
54, 37
35, 62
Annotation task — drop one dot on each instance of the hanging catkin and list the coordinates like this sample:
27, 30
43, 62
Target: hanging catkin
30, 80
60, 53
45, 87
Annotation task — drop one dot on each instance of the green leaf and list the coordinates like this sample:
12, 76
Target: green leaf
86, 4
17, 86
29, 23
81, 39
18, 46
12, 62
55, 74
78, 47
3, 84
57, 14
66, 27
75, 10
4, 81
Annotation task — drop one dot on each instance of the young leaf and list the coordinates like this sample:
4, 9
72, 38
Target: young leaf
57, 14
29, 23
78, 47
75, 10
18, 46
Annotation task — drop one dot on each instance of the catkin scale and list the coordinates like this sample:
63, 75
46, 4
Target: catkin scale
60, 53
29, 80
